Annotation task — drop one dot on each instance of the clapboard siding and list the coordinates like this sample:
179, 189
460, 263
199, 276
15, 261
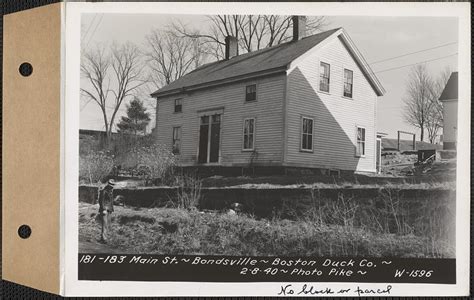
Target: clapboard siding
450, 113
267, 110
335, 117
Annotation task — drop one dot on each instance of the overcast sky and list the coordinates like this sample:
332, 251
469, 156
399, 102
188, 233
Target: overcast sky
378, 38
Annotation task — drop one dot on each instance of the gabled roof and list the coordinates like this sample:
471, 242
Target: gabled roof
265, 61
450, 91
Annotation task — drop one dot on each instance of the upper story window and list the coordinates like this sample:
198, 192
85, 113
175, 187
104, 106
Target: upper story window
348, 80
360, 148
249, 134
324, 74
178, 105
176, 140
307, 134
251, 92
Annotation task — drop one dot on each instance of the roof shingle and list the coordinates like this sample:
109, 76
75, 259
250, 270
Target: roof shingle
253, 62
450, 91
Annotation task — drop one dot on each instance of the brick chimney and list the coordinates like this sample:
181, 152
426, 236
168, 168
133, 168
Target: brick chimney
299, 27
231, 47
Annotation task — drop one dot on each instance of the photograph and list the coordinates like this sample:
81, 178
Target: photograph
238, 149
268, 135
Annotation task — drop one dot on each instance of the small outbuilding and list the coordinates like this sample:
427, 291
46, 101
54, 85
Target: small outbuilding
449, 97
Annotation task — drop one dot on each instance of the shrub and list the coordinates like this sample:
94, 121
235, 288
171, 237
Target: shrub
94, 166
141, 156
189, 191
158, 161
177, 231
152, 162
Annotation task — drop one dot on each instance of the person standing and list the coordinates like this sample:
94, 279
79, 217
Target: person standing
106, 207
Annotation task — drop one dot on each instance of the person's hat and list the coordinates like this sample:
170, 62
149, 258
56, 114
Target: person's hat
111, 182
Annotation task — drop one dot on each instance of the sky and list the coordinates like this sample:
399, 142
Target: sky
435, 39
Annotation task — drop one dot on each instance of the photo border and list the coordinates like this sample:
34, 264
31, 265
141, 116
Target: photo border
73, 11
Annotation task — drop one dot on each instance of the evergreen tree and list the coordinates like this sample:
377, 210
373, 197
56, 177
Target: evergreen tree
136, 120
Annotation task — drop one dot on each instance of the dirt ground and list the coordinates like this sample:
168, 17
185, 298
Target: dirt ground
152, 230
398, 164
97, 247
193, 232
397, 169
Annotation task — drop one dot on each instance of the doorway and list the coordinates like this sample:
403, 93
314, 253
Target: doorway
209, 139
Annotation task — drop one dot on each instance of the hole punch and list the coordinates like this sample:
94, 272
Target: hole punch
24, 231
26, 69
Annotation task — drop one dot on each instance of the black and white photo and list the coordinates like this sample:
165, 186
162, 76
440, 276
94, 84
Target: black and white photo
282, 147
246, 105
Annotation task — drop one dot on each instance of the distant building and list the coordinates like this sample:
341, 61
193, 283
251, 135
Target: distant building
449, 97
310, 103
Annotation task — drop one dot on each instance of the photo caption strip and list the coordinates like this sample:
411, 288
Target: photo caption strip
139, 267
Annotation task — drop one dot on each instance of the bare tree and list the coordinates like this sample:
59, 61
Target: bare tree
418, 102
422, 106
253, 32
112, 77
169, 56
434, 123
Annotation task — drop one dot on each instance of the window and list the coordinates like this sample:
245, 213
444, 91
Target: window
178, 105
348, 78
216, 118
249, 134
251, 92
360, 148
176, 140
307, 135
324, 77
204, 120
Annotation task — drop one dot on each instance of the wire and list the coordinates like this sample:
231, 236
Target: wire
421, 62
88, 28
96, 121
97, 25
121, 108
406, 54
84, 106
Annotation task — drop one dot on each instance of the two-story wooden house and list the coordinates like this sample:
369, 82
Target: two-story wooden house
308, 103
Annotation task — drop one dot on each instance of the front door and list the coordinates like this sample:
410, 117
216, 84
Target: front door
209, 139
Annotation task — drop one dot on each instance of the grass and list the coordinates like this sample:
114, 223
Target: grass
269, 183
345, 185
439, 177
179, 231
